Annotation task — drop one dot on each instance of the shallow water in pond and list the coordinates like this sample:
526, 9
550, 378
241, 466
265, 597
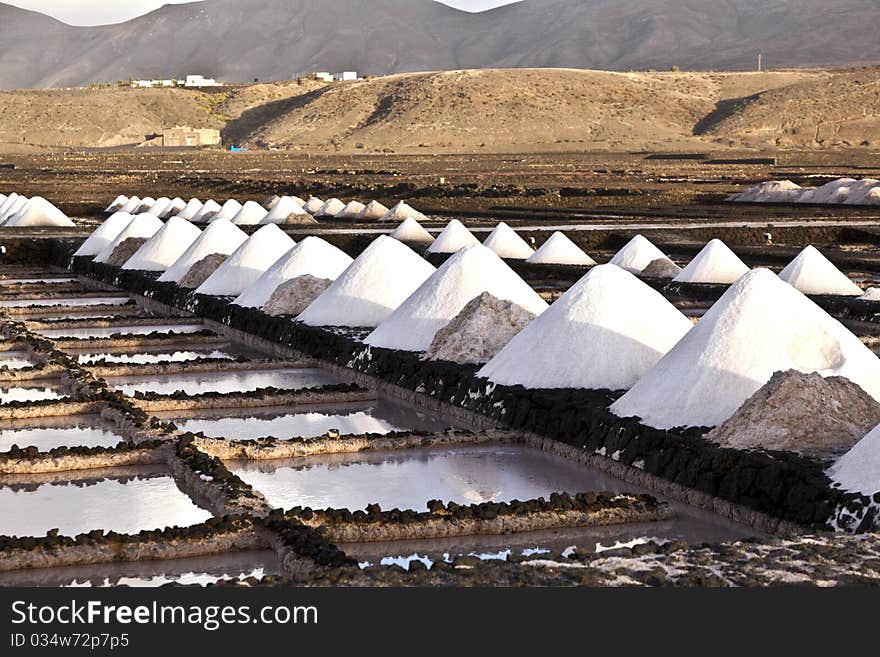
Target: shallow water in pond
157, 357
126, 500
222, 382
121, 329
382, 416
15, 359
26, 281
48, 433
30, 391
64, 301
190, 571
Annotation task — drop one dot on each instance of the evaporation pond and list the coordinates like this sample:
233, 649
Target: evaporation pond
146, 358
195, 383
28, 391
381, 416
64, 301
15, 359
407, 479
50, 432
192, 571
118, 329
125, 500
36, 281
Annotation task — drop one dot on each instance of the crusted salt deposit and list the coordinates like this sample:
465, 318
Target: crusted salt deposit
871, 294
331, 208
124, 250
804, 413
504, 241
104, 234
715, 263
466, 275
604, 333
373, 211
202, 270
250, 214
283, 210
375, 284
661, 268
351, 211
859, 469
772, 191
208, 210
292, 297
227, 211
403, 211
164, 248
761, 325
412, 231
636, 255
843, 191
248, 262
37, 211
219, 237
313, 205
559, 250
142, 226
312, 256
482, 329
453, 238
812, 273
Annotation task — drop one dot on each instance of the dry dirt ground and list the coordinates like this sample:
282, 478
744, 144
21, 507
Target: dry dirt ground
476, 111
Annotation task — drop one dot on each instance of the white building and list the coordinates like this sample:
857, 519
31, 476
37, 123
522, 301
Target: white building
324, 76
345, 76
200, 81
149, 84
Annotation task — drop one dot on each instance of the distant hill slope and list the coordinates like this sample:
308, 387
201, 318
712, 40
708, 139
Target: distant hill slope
273, 39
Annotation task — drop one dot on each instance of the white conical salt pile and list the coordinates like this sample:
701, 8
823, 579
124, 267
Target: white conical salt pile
507, 243
331, 208
270, 202
298, 201
559, 250
313, 205
772, 191
403, 211
209, 209
871, 294
250, 214
146, 205
118, 202
466, 275
174, 208
39, 212
375, 284
373, 211
190, 210
351, 211
312, 256
143, 226
453, 238
715, 263
13, 205
412, 231
220, 237
161, 206
858, 470
283, 210
604, 333
104, 234
227, 211
164, 248
248, 262
761, 325
636, 255
131, 207
7, 203
812, 273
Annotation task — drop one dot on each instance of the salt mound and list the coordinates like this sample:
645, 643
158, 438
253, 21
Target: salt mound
282, 210
453, 238
466, 275
271, 202
208, 210
352, 210
661, 268
12, 206
219, 237
131, 207
312, 256
330, 208
116, 204
403, 211
294, 296
164, 248
373, 211
507, 244
559, 250
174, 208
124, 250
227, 211
812, 273
843, 191
248, 263
636, 255
858, 470
772, 191
298, 201
482, 329
715, 263
160, 207
803, 413
250, 214
375, 284
412, 231
190, 210
871, 294
39, 212
202, 270
313, 205
104, 234
761, 325
146, 205
142, 226
604, 333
